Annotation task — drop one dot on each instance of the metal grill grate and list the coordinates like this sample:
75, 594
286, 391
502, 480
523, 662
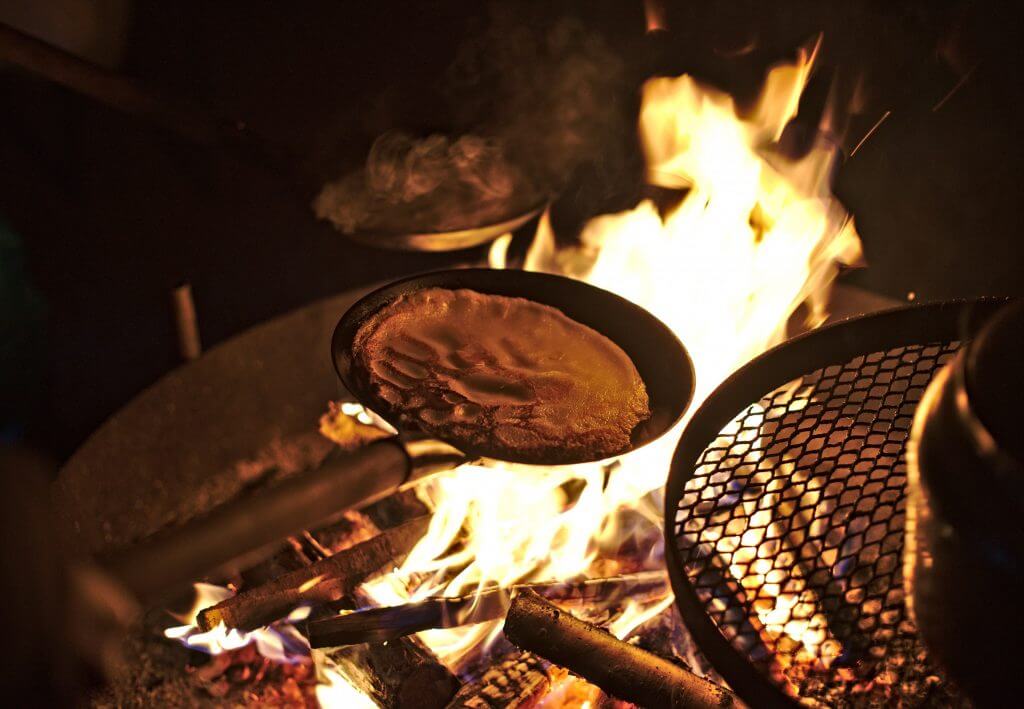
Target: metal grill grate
790, 531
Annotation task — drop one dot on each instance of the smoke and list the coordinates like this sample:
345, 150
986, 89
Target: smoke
432, 184
554, 98
402, 169
533, 109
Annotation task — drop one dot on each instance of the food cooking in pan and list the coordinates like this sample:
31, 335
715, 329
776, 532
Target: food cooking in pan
502, 373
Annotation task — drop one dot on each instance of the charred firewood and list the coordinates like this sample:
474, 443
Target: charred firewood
402, 674
290, 557
307, 548
395, 509
516, 681
323, 582
353, 528
623, 670
381, 624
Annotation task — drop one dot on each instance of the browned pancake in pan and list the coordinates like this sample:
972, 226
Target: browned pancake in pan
503, 373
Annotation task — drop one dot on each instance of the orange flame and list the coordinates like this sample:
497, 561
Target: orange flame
755, 236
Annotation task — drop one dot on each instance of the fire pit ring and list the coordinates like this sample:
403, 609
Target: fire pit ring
785, 508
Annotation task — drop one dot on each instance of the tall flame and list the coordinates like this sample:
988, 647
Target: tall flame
756, 235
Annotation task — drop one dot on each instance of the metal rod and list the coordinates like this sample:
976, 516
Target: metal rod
237, 533
186, 323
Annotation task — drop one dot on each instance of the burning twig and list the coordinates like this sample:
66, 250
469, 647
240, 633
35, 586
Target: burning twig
623, 670
956, 87
870, 132
382, 624
323, 582
515, 681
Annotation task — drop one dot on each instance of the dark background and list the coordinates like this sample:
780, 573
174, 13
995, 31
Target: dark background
102, 215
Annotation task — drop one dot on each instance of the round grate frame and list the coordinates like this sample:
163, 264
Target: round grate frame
789, 482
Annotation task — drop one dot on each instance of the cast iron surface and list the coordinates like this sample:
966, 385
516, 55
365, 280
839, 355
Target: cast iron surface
790, 480
659, 357
453, 240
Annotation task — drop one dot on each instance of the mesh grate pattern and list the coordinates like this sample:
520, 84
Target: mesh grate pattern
791, 531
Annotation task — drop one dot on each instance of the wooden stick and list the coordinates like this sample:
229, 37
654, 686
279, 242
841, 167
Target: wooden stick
622, 670
515, 681
323, 582
382, 624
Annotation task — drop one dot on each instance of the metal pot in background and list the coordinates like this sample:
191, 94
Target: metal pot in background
964, 556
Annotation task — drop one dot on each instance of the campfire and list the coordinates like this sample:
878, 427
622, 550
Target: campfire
423, 581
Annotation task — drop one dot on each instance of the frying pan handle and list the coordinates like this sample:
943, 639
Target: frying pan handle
236, 533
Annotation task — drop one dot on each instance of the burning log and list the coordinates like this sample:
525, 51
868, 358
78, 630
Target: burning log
307, 548
395, 509
353, 528
290, 557
623, 670
515, 681
402, 674
325, 581
382, 624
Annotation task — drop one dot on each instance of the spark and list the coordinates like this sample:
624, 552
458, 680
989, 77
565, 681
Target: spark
956, 87
871, 132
